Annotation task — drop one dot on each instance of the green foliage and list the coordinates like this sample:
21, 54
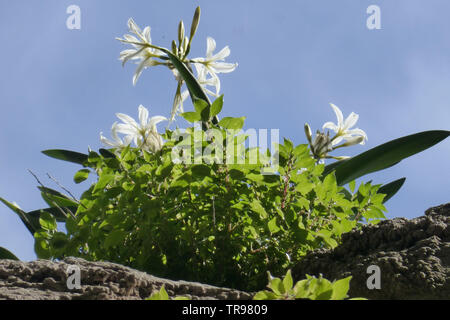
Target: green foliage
218, 223
162, 295
6, 254
310, 288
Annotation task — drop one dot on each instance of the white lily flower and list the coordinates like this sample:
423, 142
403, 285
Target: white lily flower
214, 62
144, 134
117, 142
342, 128
142, 50
202, 73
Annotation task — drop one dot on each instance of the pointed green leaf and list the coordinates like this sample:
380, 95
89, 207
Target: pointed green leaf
202, 108
55, 198
106, 153
56, 212
232, 123
6, 254
340, 288
47, 221
81, 175
103, 182
66, 155
287, 281
191, 116
390, 189
386, 155
216, 106
31, 223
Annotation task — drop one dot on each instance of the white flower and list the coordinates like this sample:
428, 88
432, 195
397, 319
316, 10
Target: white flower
142, 50
202, 73
117, 142
214, 62
342, 128
144, 134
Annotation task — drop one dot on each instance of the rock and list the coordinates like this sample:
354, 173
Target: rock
413, 257
47, 280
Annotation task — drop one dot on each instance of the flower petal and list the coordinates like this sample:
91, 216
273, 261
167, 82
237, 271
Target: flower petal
339, 115
350, 121
143, 115
210, 47
221, 55
331, 126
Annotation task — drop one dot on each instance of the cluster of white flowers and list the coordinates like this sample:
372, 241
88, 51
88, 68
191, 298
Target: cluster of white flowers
144, 133
146, 54
323, 143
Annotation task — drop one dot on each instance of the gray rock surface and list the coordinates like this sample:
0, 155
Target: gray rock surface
413, 257
47, 280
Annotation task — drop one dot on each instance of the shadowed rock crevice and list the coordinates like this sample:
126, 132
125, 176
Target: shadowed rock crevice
413, 257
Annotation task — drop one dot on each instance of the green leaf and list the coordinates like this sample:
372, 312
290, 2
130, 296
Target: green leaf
81, 175
256, 206
191, 116
265, 295
273, 228
216, 106
47, 221
103, 182
352, 186
387, 155
54, 211
66, 155
55, 198
202, 108
106, 153
287, 281
277, 286
232, 123
6, 254
340, 289
161, 295
200, 170
31, 224
391, 188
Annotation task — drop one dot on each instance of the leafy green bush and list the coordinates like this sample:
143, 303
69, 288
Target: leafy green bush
220, 224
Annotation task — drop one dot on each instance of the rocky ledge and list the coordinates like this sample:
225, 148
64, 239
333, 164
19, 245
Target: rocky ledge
412, 257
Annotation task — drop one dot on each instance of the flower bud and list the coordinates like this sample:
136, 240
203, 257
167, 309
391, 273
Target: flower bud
308, 133
174, 48
180, 32
195, 22
321, 145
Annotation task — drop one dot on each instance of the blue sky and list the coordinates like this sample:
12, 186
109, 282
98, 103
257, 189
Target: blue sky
59, 88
